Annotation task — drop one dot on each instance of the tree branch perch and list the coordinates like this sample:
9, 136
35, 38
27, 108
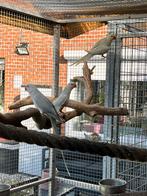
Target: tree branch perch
92, 110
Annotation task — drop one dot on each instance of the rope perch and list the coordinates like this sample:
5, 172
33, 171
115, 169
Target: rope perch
73, 144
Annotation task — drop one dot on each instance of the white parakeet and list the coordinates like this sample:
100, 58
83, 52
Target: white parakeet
100, 48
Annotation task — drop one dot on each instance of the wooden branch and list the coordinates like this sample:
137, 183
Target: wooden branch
96, 109
78, 107
24, 102
42, 121
93, 110
89, 109
86, 78
88, 83
15, 118
89, 92
21, 103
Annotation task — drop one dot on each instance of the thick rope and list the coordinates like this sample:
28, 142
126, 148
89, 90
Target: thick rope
65, 143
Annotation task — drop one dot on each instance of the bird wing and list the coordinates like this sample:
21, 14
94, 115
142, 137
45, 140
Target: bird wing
100, 47
44, 104
63, 97
51, 110
102, 43
60, 101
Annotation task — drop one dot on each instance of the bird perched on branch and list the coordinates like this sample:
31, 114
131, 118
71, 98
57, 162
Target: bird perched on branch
100, 48
44, 105
64, 96
59, 104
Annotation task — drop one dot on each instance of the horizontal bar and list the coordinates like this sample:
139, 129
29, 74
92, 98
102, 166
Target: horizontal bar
133, 35
79, 184
25, 186
94, 187
100, 18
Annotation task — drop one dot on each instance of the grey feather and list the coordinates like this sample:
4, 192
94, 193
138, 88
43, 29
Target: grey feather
44, 105
54, 125
64, 96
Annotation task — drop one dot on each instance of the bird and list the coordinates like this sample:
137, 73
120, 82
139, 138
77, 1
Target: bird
63, 97
59, 104
101, 47
44, 105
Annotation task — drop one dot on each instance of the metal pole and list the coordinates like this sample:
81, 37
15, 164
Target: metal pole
79, 184
56, 57
133, 35
55, 89
115, 138
112, 99
31, 184
100, 18
109, 102
117, 87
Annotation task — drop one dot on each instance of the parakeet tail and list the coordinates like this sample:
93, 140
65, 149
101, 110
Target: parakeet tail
83, 59
54, 126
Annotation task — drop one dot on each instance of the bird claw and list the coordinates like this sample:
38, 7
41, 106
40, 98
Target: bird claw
103, 56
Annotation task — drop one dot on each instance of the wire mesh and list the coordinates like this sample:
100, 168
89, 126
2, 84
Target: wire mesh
83, 168
21, 163
61, 11
76, 172
131, 129
32, 161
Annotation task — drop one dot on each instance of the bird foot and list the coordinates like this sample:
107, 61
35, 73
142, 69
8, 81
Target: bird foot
103, 56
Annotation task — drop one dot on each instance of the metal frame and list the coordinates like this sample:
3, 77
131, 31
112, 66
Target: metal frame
31, 184
112, 100
133, 179
55, 89
109, 102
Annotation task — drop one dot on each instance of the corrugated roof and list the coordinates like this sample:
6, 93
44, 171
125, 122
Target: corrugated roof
59, 11
76, 13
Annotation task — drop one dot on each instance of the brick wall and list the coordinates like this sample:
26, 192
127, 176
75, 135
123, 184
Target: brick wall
34, 68
37, 66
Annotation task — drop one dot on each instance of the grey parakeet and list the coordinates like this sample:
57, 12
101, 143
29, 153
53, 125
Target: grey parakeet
64, 96
44, 105
100, 48
59, 104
